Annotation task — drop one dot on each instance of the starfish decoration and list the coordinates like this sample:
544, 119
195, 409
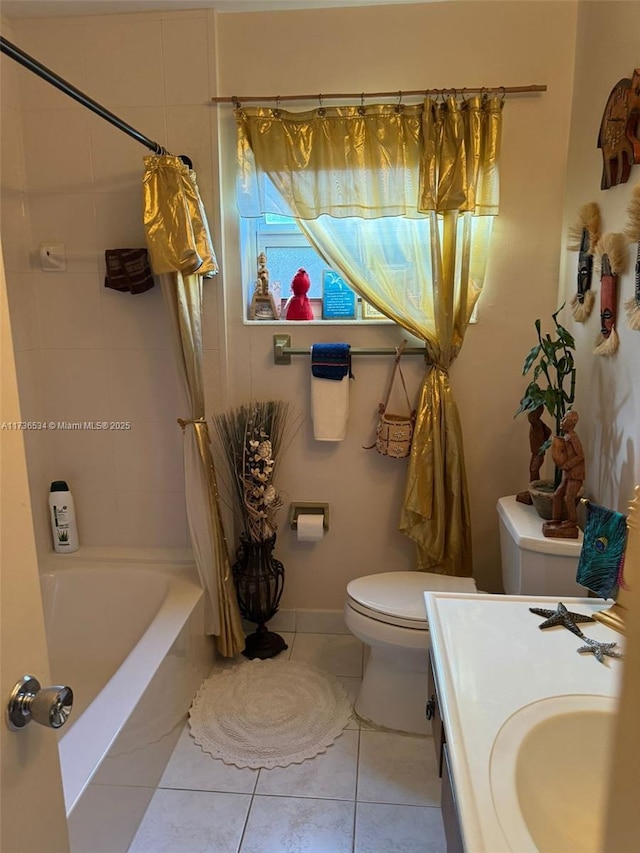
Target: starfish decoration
600, 649
561, 616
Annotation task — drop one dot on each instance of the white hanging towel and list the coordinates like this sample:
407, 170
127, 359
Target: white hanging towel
330, 373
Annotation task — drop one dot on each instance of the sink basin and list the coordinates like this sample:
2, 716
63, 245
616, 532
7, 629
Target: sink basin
549, 773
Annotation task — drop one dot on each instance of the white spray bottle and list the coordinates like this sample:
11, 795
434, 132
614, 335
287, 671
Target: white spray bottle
63, 518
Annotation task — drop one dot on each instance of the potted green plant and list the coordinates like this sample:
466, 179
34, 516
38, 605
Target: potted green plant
552, 387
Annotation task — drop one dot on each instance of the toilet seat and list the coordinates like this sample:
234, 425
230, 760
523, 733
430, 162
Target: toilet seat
396, 598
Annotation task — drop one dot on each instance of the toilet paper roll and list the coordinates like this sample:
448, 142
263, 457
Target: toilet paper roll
310, 527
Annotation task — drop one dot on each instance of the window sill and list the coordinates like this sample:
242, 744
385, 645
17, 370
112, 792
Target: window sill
289, 323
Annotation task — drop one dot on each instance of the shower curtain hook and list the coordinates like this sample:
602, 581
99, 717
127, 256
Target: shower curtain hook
321, 109
361, 107
399, 105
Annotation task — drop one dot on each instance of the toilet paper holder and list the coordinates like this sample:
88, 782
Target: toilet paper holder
308, 508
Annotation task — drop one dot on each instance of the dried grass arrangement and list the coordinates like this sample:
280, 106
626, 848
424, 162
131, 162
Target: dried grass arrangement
251, 439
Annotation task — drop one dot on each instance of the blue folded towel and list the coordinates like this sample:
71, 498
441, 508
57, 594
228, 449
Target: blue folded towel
331, 361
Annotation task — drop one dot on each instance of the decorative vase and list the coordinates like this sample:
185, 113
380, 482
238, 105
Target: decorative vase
259, 581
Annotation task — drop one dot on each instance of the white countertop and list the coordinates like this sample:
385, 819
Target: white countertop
491, 660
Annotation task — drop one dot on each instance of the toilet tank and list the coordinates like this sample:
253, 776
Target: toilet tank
531, 563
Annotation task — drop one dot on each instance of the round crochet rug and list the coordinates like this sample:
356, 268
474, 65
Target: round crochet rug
268, 713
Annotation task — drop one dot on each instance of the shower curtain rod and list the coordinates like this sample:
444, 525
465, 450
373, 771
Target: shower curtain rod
237, 100
17, 54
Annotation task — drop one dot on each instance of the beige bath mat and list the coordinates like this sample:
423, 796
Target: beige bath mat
268, 713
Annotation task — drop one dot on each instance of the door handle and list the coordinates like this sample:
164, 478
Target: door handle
49, 706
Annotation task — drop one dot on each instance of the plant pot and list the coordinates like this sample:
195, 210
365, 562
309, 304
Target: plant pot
541, 492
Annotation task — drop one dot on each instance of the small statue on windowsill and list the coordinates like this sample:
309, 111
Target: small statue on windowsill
539, 432
568, 455
263, 306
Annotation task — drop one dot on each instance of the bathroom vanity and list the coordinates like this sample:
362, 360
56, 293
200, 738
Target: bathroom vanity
522, 722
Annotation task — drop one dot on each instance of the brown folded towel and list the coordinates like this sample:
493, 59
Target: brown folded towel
128, 270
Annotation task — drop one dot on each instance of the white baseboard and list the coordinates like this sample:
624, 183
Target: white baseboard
305, 622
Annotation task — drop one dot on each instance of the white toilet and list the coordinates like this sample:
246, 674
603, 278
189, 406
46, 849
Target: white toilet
531, 563
387, 612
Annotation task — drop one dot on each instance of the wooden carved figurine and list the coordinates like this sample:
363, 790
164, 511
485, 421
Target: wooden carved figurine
263, 306
539, 432
568, 455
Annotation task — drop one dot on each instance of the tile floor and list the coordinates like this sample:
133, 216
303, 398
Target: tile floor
371, 792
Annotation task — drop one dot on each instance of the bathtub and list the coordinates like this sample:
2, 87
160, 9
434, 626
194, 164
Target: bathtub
127, 635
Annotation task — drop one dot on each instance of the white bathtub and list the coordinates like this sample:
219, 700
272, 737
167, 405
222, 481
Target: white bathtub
128, 638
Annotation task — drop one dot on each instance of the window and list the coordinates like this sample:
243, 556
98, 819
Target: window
287, 250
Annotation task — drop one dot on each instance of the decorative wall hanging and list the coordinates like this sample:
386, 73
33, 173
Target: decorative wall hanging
612, 250
619, 136
632, 306
583, 237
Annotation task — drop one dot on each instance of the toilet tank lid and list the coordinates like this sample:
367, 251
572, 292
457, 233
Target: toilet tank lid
401, 593
525, 528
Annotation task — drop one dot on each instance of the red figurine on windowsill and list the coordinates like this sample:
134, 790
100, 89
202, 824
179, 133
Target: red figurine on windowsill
298, 307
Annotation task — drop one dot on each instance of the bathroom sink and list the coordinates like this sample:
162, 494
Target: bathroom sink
549, 773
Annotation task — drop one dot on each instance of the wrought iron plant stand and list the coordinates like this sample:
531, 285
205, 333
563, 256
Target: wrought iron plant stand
259, 581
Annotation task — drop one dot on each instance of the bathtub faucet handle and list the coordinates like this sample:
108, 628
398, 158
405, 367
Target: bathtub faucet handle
49, 706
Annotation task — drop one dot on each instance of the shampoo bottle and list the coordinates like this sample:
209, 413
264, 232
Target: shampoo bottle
63, 518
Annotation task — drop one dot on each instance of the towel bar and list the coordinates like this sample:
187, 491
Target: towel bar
282, 350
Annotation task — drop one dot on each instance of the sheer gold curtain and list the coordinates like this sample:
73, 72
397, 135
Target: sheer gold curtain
400, 200
181, 253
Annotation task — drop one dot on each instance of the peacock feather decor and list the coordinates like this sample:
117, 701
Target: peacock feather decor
601, 563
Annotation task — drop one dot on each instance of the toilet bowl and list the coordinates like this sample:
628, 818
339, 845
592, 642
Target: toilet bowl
533, 564
387, 612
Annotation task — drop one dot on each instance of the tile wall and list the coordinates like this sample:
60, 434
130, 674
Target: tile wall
85, 352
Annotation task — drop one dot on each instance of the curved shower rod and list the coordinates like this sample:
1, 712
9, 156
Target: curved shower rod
31, 64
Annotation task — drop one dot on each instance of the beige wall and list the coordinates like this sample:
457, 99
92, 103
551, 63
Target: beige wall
16, 245
393, 48
89, 352
608, 395
608, 392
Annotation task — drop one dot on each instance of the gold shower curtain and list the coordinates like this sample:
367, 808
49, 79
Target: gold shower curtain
181, 253
423, 180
